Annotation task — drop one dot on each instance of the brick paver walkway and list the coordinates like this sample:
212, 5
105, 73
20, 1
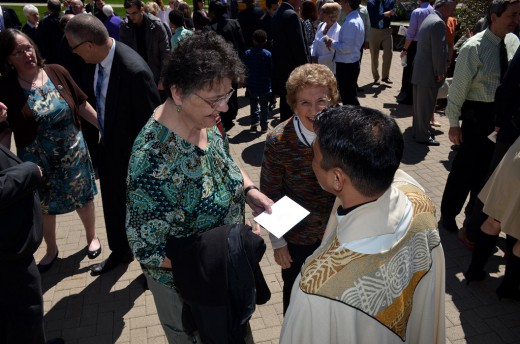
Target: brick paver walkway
114, 308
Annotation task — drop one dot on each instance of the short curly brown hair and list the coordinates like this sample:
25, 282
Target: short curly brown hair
201, 60
311, 75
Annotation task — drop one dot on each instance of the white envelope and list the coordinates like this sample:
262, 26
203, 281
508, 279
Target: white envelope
286, 213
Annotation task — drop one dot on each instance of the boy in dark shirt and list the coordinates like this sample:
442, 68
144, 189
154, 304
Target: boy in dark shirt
258, 62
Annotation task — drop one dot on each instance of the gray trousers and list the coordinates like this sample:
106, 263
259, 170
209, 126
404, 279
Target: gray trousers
424, 100
169, 309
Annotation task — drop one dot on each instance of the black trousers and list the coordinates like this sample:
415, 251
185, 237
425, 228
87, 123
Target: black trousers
285, 109
21, 318
406, 81
471, 164
232, 112
347, 75
112, 179
298, 254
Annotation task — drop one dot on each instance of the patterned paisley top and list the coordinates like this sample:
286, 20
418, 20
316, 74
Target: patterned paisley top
178, 189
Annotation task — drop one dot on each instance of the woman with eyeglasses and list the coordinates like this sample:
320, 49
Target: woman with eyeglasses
182, 180
287, 170
44, 106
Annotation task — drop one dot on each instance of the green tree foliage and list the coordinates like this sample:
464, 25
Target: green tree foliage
470, 11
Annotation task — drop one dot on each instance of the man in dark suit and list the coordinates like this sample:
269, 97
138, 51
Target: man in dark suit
289, 49
21, 318
49, 34
9, 19
249, 20
126, 96
231, 31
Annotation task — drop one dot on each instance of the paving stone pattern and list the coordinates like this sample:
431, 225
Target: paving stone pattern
114, 308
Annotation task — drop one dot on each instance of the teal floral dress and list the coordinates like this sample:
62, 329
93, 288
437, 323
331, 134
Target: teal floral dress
178, 189
68, 181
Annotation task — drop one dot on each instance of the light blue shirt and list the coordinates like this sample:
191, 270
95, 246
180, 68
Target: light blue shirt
1, 19
416, 19
351, 39
107, 67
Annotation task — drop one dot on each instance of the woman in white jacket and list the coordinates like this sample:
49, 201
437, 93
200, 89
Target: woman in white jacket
328, 28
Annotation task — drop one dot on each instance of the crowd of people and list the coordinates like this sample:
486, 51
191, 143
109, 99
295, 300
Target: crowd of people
144, 103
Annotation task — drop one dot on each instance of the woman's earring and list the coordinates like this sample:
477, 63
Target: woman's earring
179, 108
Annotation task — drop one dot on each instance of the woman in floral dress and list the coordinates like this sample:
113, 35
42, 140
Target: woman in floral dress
44, 105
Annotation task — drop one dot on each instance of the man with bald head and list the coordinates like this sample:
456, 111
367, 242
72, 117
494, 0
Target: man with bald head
77, 7
126, 96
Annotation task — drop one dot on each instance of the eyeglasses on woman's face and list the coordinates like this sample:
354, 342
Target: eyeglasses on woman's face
216, 102
23, 50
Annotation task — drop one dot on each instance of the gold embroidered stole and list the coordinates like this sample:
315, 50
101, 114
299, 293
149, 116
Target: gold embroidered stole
379, 285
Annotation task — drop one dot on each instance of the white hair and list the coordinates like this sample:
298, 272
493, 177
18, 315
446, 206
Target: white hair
108, 10
29, 9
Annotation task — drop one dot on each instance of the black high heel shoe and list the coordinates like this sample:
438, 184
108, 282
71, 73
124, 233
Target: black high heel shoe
42, 268
95, 253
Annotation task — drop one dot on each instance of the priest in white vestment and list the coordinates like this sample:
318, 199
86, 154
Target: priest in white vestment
379, 275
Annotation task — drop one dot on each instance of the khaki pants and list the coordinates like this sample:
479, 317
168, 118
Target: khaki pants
378, 38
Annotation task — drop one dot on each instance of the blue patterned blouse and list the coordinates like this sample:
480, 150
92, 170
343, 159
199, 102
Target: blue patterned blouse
178, 189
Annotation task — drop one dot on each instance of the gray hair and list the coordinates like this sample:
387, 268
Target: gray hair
29, 9
108, 10
86, 27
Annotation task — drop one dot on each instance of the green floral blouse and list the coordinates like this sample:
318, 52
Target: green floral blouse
178, 189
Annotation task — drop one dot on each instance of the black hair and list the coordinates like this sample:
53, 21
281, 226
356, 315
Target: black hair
260, 36
498, 7
129, 3
269, 3
176, 18
366, 144
54, 6
217, 8
201, 60
195, 7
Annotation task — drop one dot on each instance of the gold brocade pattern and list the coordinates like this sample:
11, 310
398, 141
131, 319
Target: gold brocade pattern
380, 285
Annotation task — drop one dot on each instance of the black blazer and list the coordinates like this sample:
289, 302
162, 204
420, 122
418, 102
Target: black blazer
20, 213
48, 37
249, 20
131, 99
231, 31
289, 49
11, 20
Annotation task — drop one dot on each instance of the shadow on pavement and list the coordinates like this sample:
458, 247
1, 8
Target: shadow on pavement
477, 301
253, 154
95, 313
63, 268
413, 152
